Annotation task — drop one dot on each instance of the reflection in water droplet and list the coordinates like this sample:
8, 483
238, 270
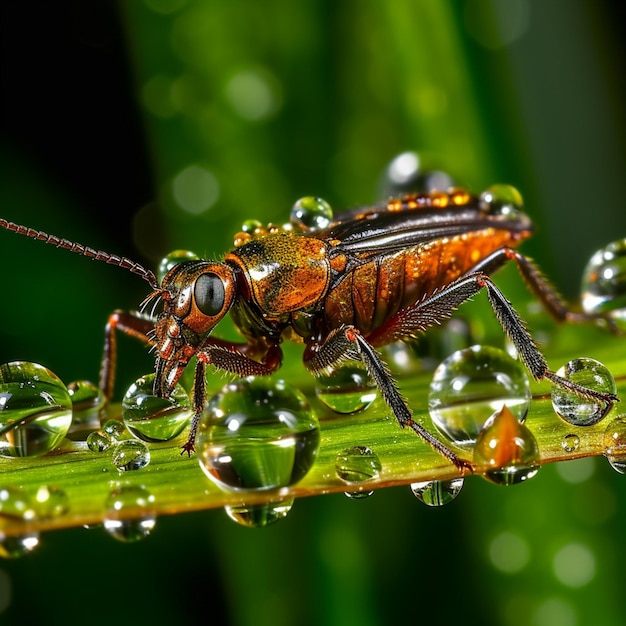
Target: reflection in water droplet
615, 443
51, 502
347, 389
114, 429
570, 443
437, 492
259, 515
130, 455
311, 214
469, 386
152, 418
506, 450
357, 464
97, 441
129, 513
35, 410
604, 283
257, 433
573, 408
16, 510
172, 259
87, 404
359, 495
502, 201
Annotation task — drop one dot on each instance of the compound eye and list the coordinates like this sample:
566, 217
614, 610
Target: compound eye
209, 293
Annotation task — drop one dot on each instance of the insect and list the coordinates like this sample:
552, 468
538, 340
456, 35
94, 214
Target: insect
343, 287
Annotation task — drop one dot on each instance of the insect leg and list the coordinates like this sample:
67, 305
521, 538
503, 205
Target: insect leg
347, 343
540, 286
414, 319
129, 323
229, 357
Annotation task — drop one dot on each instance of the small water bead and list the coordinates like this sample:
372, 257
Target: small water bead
357, 464
259, 515
469, 386
114, 429
51, 502
172, 260
503, 201
151, 418
311, 214
506, 450
130, 455
359, 495
257, 434
570, 442
88, 401
16, 511
437, 492
615, 443
97, 441
35, 410
573, 408
129, 513
604, 283
348, 389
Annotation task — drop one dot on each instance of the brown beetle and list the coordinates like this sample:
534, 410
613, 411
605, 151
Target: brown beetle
372, 276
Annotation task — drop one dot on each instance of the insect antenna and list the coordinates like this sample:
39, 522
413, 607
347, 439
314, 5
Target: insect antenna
96, 255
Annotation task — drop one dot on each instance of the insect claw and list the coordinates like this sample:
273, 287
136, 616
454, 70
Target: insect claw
189, 448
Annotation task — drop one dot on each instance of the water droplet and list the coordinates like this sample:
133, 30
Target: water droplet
469, 386
437, 492
51, 502
172, 259
35, 410
573, 408
502, 201
16, 510
259, 515
152, 418
604, 283
357, 464
114, 429
407, 173
348, 389
506, 450
359, 495
257, 433
130, 455
87, 404
570, 442
129, 513
97, 441
311, 214
615, 443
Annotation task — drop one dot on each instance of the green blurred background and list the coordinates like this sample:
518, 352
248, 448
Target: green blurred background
147, 125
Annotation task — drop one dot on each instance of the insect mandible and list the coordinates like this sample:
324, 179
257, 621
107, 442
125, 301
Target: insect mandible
369, 277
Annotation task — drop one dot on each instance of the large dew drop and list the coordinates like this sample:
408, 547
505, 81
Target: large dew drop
35, 410
257, 434
469, 386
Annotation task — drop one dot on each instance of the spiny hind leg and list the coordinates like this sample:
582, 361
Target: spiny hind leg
347, 343
440, 305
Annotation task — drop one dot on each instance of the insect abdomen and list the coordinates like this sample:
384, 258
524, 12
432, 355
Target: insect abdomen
375, 290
